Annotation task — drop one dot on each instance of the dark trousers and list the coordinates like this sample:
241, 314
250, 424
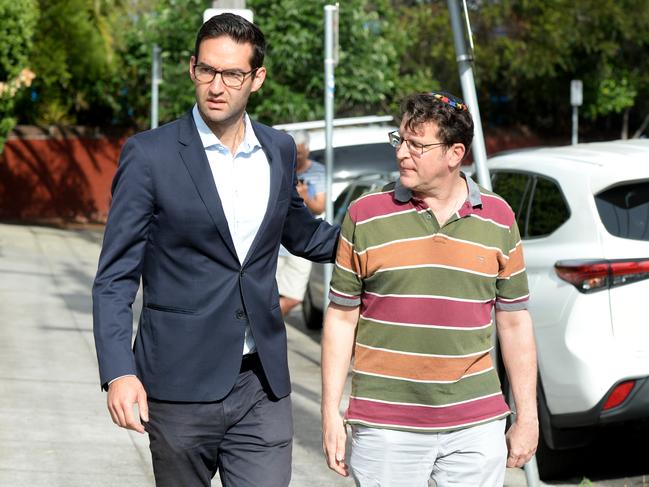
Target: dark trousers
247, 437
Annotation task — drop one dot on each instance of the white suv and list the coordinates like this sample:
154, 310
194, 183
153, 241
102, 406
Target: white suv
583, 214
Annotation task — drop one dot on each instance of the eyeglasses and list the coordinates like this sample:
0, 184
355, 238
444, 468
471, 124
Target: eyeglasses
413, 147
232, 78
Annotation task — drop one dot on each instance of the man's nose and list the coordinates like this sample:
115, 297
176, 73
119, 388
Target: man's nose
217, 86
402, 151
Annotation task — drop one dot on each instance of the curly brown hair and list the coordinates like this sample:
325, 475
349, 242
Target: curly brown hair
454, 122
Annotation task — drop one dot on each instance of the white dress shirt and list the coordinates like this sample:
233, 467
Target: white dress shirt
243, 183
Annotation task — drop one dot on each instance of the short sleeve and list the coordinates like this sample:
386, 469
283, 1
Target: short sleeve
512, 292
346, 281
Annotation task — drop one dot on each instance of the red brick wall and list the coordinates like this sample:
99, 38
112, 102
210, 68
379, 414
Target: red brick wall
65, 174
57, 174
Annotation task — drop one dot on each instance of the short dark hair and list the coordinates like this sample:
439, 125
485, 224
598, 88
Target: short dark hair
453, 120
239, 30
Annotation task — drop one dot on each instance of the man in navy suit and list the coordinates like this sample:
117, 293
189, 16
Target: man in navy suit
199, 209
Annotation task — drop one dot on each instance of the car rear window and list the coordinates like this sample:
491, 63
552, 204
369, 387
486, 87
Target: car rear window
624, 210
361, 159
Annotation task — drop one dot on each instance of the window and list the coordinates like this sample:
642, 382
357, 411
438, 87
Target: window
624, 210
349, 194
548, 209
537, 201
514, 188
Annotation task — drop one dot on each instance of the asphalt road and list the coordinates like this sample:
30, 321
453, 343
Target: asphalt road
54, 426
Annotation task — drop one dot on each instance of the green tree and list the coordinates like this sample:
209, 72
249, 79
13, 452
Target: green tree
526, 53
74, 63
172, 24
293, 91
16, 32
366, 74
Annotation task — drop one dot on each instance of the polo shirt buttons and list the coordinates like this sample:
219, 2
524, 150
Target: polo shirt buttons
428, 216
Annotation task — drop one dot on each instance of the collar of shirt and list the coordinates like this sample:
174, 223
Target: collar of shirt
403, 194
248, 145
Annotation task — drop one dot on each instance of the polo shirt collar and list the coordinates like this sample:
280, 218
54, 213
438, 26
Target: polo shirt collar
403, 194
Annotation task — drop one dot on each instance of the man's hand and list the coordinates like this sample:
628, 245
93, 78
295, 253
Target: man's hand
334, 436
302, 190
122, 394
522, 439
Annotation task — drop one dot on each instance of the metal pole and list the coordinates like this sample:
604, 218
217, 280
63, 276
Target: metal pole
468, 90
330, 86
479, 151
575, 125
155, 83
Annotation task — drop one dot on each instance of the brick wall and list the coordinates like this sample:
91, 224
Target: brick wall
64, 174
57, 174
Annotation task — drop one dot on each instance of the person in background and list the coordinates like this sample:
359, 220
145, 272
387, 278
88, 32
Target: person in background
421, 265
293, 271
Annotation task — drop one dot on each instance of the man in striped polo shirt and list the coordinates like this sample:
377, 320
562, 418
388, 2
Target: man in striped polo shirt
421, 265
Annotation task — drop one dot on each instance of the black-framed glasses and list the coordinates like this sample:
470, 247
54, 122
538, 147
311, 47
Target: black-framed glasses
232, 78
413, 147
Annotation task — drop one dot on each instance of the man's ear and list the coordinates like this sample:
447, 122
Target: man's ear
455, 155
192, 61
258, 80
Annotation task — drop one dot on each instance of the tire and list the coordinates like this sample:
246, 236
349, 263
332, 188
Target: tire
312, 316
560, 462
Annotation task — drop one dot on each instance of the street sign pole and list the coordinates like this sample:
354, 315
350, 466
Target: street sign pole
330, 61
576, 100
464, 60
156, 79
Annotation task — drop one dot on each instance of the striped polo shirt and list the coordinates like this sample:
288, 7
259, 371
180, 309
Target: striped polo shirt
426, 295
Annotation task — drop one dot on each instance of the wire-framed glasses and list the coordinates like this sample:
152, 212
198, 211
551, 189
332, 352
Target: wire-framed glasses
413, 147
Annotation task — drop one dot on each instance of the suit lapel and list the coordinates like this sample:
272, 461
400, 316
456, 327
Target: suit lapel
193, 155
274, 157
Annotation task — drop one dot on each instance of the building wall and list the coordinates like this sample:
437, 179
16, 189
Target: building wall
64, 174
57, 174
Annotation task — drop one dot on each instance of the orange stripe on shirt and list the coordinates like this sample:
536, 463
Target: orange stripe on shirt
436, 250
417, 367
516, 262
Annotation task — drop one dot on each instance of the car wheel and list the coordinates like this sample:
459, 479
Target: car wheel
312, 316
560, 452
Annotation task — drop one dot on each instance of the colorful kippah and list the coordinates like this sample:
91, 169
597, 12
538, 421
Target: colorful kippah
449, 101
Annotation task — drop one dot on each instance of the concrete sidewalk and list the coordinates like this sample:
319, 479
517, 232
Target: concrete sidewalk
55, 429
54, 426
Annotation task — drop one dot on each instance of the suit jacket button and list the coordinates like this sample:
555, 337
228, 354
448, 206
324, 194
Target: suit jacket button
239, 314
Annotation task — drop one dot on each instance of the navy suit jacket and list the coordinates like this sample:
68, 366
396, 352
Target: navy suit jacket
166, 226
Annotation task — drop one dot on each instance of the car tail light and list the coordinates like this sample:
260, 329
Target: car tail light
596, 275
619, 394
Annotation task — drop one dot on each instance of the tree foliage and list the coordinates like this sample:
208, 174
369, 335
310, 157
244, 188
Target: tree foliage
74, 62
294, 90
92, 58
18, 21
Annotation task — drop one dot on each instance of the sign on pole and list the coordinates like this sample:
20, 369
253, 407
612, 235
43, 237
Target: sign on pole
576, 93
576, 100
246, 13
